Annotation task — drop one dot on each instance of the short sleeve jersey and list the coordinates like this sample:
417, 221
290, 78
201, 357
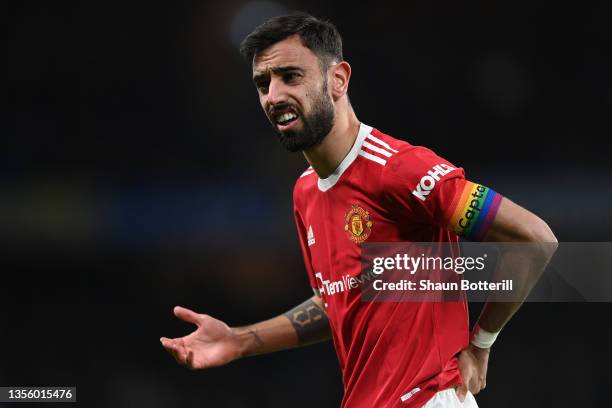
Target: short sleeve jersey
387, 190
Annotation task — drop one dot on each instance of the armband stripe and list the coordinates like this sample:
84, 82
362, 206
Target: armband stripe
484, 212
474, 211
491, 211
463, 197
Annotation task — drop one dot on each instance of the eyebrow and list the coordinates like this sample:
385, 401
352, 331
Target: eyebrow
278, 71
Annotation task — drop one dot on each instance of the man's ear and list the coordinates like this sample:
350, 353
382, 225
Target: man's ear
340, 74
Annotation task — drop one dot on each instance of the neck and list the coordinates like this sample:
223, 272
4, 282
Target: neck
327, 156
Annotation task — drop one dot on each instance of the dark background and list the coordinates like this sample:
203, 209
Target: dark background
137, 172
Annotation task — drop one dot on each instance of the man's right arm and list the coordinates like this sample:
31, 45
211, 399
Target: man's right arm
304, 324
214, 343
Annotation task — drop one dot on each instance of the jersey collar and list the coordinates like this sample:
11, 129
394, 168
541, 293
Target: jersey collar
327, 183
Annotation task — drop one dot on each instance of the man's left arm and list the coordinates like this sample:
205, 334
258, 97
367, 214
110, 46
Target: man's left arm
438, 194
511, 223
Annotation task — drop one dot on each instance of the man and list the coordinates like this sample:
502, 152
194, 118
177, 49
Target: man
363, 185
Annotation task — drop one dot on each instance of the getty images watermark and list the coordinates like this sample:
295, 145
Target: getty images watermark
421, 263
503, 272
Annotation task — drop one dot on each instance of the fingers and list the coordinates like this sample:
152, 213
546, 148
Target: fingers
170, 347
189, 360
461, 391
472, 382
482, 382
176, 348
187, 315
475, 383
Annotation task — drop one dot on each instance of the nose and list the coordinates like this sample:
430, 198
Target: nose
277, 92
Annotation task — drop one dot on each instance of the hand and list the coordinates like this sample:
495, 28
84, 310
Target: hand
473, 362
212, 344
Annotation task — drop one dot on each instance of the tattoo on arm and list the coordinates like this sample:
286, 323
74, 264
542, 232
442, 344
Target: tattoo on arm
310, 322
255, 337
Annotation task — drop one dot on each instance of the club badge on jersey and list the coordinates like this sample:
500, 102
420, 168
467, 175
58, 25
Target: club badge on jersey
357, 224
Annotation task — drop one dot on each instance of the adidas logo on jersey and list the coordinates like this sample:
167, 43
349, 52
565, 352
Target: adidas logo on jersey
311, 238
428, 182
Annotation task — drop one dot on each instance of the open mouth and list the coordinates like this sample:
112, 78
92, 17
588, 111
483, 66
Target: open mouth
285, 119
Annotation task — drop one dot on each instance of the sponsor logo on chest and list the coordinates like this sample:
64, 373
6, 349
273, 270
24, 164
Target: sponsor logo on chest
428, 182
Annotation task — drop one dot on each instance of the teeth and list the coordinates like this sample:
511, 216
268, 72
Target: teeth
285, 117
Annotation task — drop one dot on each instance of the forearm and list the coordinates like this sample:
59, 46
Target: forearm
305, 324
523, 263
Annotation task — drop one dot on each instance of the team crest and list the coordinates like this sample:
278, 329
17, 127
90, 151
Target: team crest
357, 224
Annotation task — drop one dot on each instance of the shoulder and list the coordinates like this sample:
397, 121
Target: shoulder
381, 148
307, 181
401, 150
414, 165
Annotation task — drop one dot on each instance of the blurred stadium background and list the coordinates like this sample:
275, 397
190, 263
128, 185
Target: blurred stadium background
138, 172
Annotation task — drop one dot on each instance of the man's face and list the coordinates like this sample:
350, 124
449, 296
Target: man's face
293, 93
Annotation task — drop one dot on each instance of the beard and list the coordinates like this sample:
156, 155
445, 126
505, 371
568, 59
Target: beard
315, 125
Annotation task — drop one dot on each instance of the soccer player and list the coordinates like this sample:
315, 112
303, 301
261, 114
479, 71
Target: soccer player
364, 186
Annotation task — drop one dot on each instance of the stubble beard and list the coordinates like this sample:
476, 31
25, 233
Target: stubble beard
315, 126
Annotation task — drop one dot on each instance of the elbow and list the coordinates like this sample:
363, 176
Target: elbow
546, 243
539, 231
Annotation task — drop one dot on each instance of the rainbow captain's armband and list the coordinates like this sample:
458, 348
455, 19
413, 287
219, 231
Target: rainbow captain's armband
474, 211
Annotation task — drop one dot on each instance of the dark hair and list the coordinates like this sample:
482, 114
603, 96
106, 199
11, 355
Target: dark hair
321, 37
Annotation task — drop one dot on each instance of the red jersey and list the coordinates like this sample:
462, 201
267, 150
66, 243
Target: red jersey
385, 190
